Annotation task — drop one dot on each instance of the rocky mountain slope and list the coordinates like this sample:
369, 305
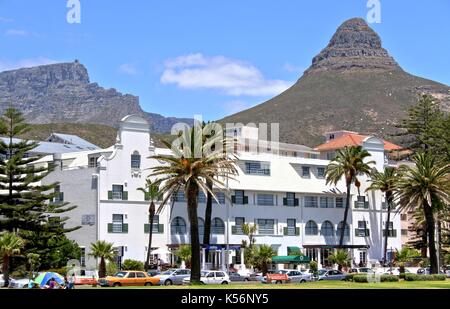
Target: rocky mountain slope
352, 84
61, 93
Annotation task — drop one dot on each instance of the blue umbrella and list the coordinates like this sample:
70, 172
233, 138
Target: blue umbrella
45, 277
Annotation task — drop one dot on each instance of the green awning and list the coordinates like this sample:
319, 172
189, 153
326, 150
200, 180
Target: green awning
286, 259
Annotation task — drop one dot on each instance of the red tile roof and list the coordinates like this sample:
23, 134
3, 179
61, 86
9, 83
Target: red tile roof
352, 139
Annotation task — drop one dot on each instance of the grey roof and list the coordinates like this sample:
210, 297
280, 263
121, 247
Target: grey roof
51, 148
76, 141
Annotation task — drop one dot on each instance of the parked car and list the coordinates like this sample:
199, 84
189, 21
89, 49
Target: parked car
234, 276
211, 277
426, 271
361, 270
395, 271
330, 274
2, 281
293, 275
153, 272
173, 276
128, 278
21, 283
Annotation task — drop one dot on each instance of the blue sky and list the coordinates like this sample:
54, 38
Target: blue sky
212, 57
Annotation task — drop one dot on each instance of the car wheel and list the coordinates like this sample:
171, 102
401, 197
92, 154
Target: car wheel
225, 282
116, 284
148, 284
302, 281
168, 282
278, 282
246, 280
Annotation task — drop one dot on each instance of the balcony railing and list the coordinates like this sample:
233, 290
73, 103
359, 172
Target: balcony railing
117, 195
118, 228
266, 231
291, 231
237, 230
391, 233
157, 228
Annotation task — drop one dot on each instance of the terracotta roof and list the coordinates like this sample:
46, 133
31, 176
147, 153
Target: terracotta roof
352, 139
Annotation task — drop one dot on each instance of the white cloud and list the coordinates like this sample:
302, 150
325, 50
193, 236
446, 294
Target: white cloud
289, 67
233, 77
24, 63
235, 106
16, 32
128, 68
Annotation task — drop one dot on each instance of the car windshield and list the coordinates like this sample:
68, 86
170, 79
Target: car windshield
322, 272
204, 273
282, 271
168, 272
120, 274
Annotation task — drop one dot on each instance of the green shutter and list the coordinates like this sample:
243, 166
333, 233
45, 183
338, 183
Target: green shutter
125, 195
285, 231
61, 196
109, 195
110, 228
125, 228
297, 231
233, 230
160, 228
146, 228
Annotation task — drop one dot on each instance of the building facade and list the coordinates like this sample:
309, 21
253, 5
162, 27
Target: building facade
282, 190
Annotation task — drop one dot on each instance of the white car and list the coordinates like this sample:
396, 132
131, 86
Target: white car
211, 277
396, 271
18, 283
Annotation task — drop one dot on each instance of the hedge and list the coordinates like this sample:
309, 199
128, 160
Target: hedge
414, 277
383, 278
349, 277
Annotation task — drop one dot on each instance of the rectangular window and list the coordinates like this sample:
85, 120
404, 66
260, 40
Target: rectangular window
290, 199
305, 171
155, 223
135, 161
404, 232
362, 224
59, 197
238, 223
310, 201
117, 223
265, 199
83, 257
390, 225
291, 227
326, 202
403, 217
321, 172
93, 162
179, 196
117, 192
266, 226
87, 219
340, 202
219, 195
257, 168
239, 197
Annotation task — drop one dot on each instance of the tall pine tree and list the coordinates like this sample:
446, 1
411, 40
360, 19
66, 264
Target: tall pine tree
26, 205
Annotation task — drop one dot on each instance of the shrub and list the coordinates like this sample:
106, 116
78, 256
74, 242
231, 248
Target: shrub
389, 278
402, 276
360, 278
111, 268
414, 277
349, 277
62, 271
132, 265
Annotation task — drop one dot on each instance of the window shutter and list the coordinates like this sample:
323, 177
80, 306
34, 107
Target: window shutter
295, 201
245, 199
61, 196
297, 231
160, 228
110, 195
233, 199
285, 231
284, 201
146, 228
110, 228
125, 228
125, 195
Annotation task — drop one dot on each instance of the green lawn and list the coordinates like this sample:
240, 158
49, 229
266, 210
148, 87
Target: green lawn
309, 285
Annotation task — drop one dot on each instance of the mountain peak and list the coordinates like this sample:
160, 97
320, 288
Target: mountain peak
354, 45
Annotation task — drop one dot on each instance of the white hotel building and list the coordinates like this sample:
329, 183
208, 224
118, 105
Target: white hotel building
283, 194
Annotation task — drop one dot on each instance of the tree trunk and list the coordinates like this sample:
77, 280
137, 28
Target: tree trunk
192, 196
208, 213
386, 236
102, 268
150, 234
439, 246
431, 238
5, 270
347, 206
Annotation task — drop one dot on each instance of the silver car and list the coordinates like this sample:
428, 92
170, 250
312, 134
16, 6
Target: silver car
173, 276
330, 274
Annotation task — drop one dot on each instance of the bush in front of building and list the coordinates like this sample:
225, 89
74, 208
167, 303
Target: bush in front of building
360, 278
415, 277
349, 277
365, 278
389, 278
132, 265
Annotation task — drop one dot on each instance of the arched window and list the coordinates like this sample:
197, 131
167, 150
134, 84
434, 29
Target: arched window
217, 226
327, 229
311, 228
135, 160
201, 226
178, 226
339, 229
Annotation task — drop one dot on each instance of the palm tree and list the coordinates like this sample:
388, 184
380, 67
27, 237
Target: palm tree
348, 163
10, 245
185, 254
152, 193
405, 255
385, 182
33, 260
249, 230
263, 256
104, 251
340, 257
425, 185
189, 168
